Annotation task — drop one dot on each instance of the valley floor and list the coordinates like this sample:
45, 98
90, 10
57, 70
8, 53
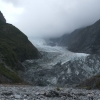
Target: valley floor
26, 92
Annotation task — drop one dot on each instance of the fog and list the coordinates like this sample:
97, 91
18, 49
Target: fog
50, 18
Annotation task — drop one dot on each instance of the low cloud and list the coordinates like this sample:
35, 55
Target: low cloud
46, 18
14, 2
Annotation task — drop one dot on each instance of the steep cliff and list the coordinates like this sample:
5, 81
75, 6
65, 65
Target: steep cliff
14, 49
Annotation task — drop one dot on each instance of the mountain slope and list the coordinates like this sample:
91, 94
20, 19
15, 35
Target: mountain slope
84, 40
15, 44
91, 83
14, 49
87, 40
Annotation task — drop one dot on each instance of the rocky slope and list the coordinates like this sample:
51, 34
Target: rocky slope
2, 17
14, 49
85, 40
91, 83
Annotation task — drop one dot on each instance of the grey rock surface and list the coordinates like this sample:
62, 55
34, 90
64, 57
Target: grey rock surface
25, 92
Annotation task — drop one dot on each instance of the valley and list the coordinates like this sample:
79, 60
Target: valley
63, 68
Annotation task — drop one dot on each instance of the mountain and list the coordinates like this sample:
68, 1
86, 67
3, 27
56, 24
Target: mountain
14, 49
84, 40
2, 17
61, 41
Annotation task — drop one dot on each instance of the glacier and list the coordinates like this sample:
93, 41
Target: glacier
58, 66
56, 54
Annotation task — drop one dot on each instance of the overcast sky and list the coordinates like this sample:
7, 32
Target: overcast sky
50, 17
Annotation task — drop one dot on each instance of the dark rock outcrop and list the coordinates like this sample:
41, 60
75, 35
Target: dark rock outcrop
2, 17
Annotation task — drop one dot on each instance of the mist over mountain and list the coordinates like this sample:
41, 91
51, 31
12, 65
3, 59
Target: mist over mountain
84, 40
50, 18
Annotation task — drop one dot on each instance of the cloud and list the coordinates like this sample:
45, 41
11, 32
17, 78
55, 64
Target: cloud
10, 12
46, 18
14, 2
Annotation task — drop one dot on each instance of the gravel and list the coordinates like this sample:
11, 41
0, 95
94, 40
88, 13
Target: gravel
27, 92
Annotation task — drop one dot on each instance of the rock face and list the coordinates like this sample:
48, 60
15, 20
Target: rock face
85, 40
14, 49
2, 18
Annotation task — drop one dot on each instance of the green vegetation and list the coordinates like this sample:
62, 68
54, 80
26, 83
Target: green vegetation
14, 49
58, 88
15, 46
91, 83
13, 77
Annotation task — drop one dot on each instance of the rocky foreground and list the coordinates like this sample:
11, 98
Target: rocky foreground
23, 92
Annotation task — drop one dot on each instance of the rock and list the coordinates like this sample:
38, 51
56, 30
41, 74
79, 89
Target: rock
37, 93
17, 96
2, 17
63, 94
12, 96
25, 96
7, 93
52, 93
42, 93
